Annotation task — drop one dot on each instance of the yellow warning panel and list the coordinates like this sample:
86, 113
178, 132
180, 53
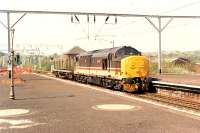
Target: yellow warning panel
135, 66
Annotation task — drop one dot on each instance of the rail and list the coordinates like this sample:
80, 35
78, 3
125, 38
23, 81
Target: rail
176, 87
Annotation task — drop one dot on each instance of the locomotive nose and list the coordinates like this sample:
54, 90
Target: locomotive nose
134, 71
135, 66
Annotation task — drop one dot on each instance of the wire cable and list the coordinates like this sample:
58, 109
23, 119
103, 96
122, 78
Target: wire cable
168, 11
181, 7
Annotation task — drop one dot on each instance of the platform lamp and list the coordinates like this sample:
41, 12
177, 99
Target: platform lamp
12, 91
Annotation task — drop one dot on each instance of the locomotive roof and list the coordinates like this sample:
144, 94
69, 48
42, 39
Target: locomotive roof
105, 52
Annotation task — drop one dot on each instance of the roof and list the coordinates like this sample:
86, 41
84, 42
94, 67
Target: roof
105, 52
181, 60
117, 51
75, 50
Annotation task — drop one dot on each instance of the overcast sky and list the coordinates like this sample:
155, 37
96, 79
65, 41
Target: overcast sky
56, 33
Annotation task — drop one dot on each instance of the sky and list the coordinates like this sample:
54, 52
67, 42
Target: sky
56, 33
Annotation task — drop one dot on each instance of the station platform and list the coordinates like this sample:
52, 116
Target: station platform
188, 79
46, 105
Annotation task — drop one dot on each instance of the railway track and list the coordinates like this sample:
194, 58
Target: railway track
180, 95
177, 102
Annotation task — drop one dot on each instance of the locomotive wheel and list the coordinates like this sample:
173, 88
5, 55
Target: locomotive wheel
118, 87
104, 84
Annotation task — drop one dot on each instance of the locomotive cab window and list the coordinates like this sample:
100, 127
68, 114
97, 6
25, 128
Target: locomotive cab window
104, 64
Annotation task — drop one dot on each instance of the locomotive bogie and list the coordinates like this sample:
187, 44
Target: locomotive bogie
135, 84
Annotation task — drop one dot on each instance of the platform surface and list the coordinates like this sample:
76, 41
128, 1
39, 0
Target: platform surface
58, 107
187, 79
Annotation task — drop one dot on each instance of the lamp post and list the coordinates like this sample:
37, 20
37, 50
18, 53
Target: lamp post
12, 91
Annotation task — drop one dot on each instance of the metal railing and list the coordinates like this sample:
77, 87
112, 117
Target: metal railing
176, 87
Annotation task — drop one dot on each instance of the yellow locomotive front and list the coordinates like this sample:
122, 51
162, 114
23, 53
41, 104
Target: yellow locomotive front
134, 73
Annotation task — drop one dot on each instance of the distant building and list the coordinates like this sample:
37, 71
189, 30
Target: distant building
181, 61
67, 61
74, 51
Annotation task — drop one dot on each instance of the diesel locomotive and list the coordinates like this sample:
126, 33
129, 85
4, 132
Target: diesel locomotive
121, 68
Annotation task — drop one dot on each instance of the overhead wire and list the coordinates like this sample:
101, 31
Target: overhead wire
129, 23
3, 24
82, 27
181, 7
102, 26
88, 24
100, 29
164, 12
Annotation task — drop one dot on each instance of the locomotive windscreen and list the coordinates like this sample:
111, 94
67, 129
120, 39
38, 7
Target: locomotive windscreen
125, 51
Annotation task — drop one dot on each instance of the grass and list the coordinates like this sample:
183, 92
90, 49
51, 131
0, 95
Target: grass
168, 67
